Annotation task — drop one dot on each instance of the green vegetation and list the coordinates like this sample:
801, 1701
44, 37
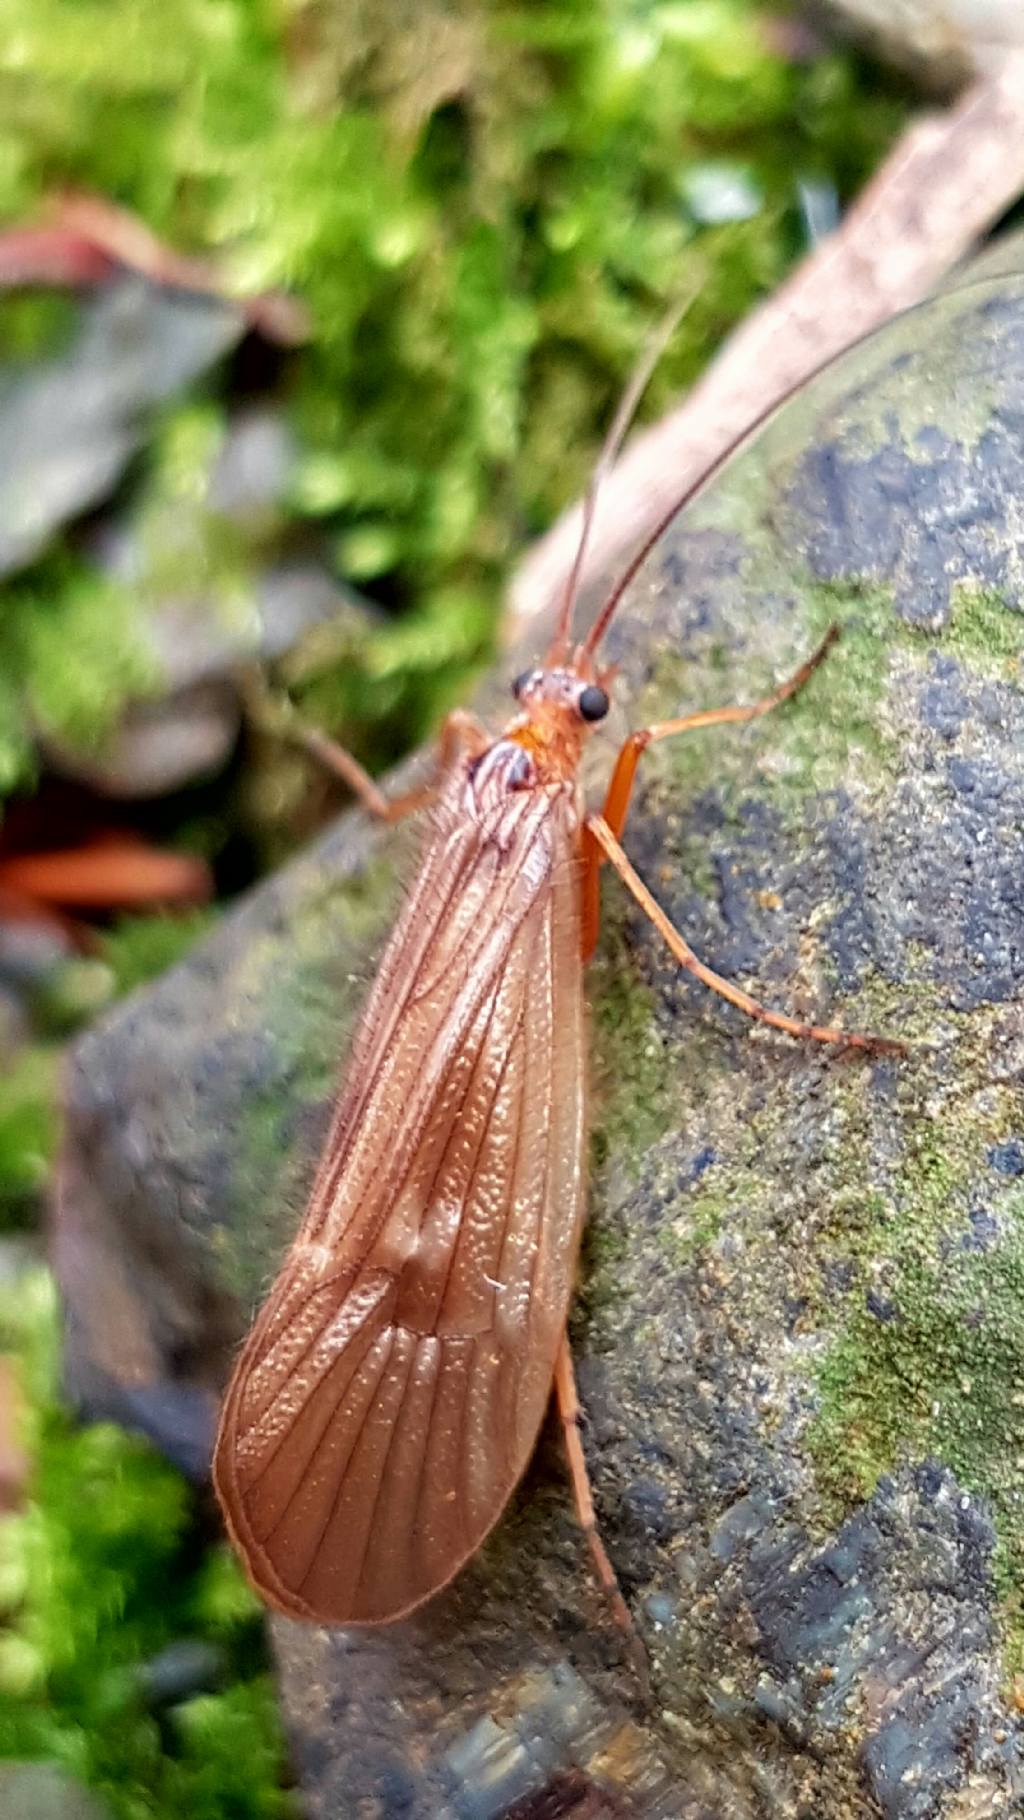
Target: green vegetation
985, 626
99, 1573
27, 1134
139, 948
927, 1350
633, 1067
482, 206
70, 655
839, 711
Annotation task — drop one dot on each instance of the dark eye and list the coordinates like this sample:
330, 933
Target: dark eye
593, 703
520, 683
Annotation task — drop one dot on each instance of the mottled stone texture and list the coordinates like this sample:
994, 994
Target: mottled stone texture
800, 1326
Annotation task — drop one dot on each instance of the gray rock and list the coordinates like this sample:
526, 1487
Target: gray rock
67, 427
158, 745
196, 631
800, 1322
186, 1667
34, 1791
255, 467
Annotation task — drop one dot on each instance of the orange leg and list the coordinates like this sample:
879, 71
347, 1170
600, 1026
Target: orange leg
819, 1033
620, 789
571, 1416
459, 730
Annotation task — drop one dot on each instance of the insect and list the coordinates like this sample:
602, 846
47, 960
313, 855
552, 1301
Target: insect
390, 1393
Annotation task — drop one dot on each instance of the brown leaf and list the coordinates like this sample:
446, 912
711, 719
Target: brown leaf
51, 255
109, 872
125, 239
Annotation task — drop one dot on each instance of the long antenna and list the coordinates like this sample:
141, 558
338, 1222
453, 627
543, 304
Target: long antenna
650, 354
752, 429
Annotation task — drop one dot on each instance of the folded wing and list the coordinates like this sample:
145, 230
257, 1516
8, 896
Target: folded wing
390, 1394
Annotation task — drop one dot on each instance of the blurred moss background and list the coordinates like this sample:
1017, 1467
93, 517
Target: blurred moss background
483, 208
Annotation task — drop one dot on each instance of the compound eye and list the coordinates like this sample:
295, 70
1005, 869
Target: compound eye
520, 682
593, 703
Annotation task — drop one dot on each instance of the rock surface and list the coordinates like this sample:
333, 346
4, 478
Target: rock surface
71, 423
35, 1791
800, 1325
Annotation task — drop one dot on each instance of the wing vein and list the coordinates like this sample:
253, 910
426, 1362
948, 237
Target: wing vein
342, 1477
409, 1387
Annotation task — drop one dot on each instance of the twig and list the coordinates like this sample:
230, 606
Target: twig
86, 238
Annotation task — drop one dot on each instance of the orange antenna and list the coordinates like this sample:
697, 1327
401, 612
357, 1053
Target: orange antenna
651, 353
600, 626
704, 478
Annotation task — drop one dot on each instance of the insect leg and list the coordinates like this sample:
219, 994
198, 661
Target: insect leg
459, 730
620, 789
679, 947
570, 1415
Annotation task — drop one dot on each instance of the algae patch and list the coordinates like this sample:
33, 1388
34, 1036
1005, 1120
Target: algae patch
985, 627
633, 1070
846, 723
928, 1358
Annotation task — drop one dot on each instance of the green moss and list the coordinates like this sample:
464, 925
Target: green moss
633, 1068
699, 1224
603, 1253
98, 1574
361, 907
839, 710
139, 948
483, 207
28, 1131
70, 654
843, 729
933, 1362
983, 625
187, 550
